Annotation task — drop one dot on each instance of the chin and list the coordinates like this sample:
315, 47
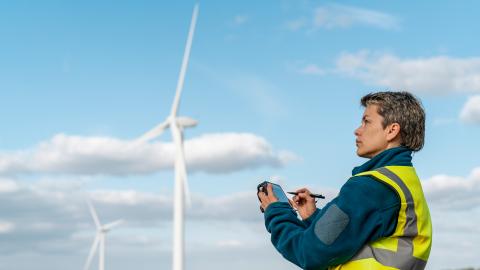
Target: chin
363, 154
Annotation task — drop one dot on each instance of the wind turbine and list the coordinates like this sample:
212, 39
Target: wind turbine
99, 239
177, 125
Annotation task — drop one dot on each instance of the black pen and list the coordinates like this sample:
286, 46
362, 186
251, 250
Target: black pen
319, 196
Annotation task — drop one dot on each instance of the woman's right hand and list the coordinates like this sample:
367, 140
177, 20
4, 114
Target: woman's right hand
304, 203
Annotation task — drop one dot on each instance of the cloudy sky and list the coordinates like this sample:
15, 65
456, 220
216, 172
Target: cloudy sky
275, 86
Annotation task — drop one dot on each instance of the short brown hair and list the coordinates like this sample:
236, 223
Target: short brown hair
402, 108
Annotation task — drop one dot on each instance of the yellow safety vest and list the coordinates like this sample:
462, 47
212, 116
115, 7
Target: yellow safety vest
409, 246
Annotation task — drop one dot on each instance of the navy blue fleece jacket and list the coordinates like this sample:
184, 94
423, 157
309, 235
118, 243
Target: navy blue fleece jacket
364, 211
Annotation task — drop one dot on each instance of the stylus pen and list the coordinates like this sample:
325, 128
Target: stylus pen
319, 196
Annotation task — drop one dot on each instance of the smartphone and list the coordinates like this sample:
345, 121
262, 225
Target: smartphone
277, 191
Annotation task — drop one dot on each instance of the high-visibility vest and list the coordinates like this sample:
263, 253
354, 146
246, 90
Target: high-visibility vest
409, 246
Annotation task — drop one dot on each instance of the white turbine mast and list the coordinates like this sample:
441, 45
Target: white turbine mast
177, 124
99, 238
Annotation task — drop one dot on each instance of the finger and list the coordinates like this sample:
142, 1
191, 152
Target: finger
264, 200
295, 198
300, 199
270, 195
293, 204
261, 195
304, 196
264, 205
304, 193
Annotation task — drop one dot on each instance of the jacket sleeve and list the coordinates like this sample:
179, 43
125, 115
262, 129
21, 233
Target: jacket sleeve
363, 211
311, 218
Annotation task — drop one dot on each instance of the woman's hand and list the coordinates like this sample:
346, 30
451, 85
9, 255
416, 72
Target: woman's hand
266, 200
304, 203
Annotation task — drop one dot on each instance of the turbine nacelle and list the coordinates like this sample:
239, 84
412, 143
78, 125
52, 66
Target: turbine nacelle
185, 122
181, 122
107, 227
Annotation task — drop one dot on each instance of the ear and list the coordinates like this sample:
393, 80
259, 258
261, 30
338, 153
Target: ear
392, 132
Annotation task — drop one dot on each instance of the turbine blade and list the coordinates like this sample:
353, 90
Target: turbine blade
111, 225
154, 132
180, 163
186, 56
94, 214
92, 252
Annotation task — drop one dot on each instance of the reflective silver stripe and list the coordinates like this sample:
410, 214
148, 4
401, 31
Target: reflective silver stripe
411, 222
402, 258
399, 259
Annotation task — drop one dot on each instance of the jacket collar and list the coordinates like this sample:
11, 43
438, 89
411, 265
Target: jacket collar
398, 156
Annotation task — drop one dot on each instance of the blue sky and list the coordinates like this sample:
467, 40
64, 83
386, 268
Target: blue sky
275, 86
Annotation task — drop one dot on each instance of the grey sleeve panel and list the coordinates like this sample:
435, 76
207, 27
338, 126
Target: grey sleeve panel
331, 224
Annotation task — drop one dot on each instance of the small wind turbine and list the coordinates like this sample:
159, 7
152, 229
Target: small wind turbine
99, 239
177, 125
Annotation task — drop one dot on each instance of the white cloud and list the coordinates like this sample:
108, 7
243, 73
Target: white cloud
434, 75
335, 16
341, 16
471, 110
143, 206
32, 217
454, 232
216, 226
453, 192
6, 227
211, 153
454, 208
58, 231
128, 197
7, 185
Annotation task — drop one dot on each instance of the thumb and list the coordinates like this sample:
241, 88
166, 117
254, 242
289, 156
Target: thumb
293, 203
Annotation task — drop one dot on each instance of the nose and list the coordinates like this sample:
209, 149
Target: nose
357, 131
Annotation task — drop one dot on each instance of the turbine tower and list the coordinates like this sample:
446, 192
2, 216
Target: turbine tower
177, 125
99, 239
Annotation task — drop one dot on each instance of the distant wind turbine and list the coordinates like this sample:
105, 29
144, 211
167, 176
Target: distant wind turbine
99, 239
177, 125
